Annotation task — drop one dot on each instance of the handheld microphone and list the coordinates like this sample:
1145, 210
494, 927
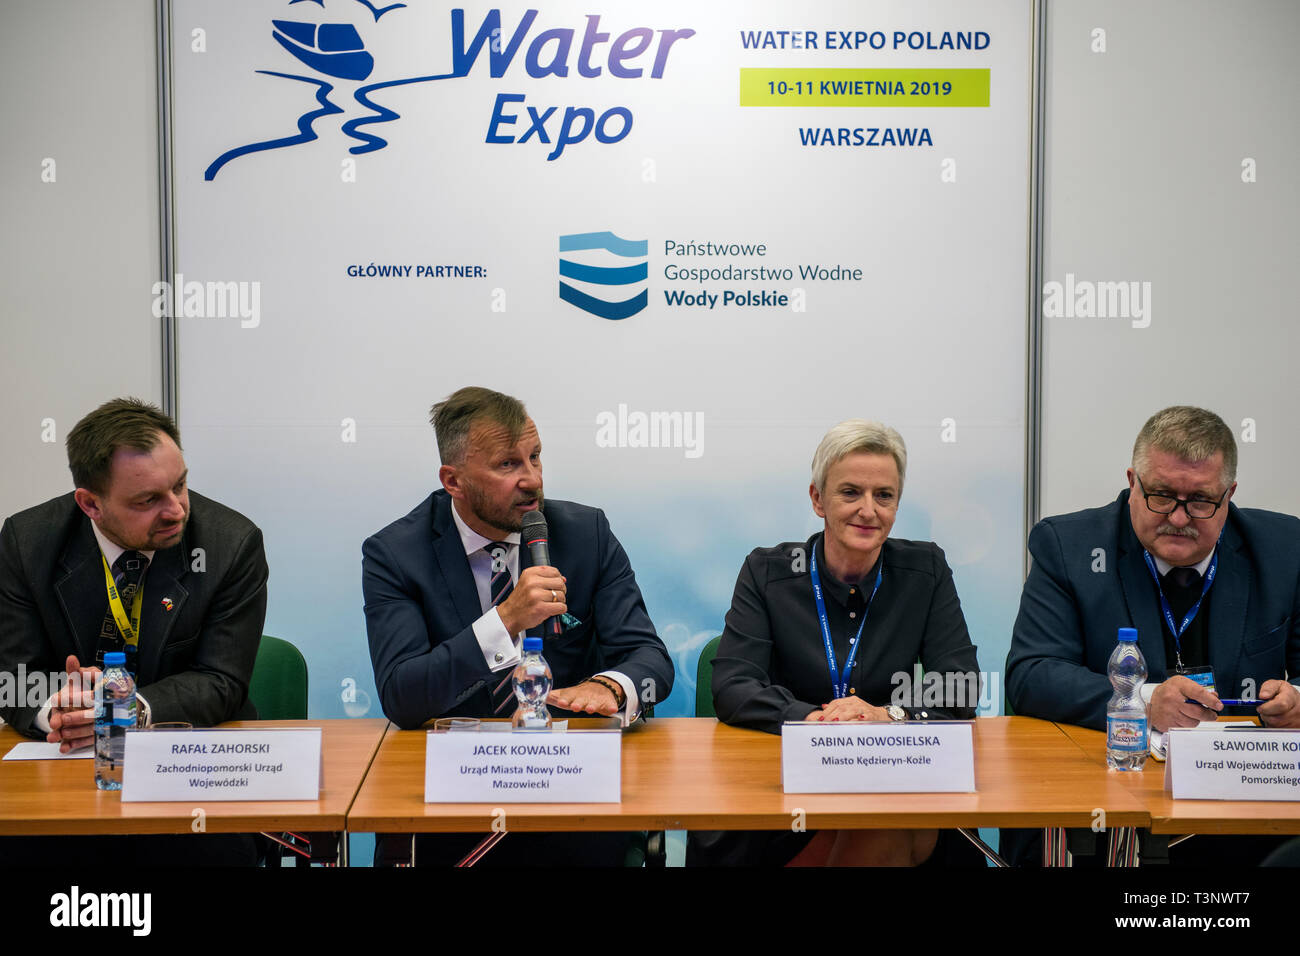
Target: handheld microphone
533, 532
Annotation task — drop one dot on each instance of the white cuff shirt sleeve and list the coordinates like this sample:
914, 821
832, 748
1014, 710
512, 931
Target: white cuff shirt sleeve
633, 706
1155, 739
42, 720
500, 650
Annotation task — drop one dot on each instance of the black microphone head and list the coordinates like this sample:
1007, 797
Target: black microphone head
533, 527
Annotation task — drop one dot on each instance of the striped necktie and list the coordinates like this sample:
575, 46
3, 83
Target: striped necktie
128, 572
498, 590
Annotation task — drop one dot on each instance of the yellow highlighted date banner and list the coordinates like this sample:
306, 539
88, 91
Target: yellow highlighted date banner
805, 86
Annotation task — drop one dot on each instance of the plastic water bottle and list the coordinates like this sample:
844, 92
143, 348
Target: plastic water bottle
1126, 716
532, 682
115, 711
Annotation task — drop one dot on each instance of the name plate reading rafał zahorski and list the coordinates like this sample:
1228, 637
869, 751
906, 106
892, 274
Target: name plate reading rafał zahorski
853, 757
208, 765
580, 766
1255, 763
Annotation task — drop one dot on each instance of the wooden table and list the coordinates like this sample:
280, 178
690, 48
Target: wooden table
695, 773
59, 796
1171, 816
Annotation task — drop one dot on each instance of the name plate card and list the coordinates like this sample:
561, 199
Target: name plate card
580, 766
208, 765
853, 757
1255, 763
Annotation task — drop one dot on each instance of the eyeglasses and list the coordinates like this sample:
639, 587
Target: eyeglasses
1199, 508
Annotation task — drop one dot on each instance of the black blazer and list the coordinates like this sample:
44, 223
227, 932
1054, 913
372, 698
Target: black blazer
1089, 578
421, 604
771, 664
195, 659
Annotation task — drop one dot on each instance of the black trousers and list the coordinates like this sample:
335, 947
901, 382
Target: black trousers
1025, 848
513, 850
132, 851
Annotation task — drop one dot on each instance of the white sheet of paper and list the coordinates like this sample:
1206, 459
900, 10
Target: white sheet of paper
41, 750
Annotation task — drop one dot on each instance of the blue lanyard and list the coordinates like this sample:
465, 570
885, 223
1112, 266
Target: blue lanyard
840, 683
1178, 631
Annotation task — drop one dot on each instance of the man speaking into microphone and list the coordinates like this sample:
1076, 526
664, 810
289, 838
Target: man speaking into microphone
450, 590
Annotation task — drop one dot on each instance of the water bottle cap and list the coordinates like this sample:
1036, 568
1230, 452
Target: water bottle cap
1128, 634
115, 659
532, 644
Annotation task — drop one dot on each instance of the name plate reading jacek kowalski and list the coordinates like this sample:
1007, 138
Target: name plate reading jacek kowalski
818, 757
580, 766
208, 765
1242, 763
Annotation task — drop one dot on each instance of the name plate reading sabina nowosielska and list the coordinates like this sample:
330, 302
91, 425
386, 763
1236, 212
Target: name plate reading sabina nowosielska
579, 766
896, 757
207, 765
1247, 763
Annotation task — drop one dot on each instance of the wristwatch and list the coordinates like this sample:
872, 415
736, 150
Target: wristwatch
895, 712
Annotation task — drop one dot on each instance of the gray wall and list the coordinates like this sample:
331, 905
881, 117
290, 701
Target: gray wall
77, 255
1144, 153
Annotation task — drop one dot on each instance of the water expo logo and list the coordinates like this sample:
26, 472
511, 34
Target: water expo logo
338, 63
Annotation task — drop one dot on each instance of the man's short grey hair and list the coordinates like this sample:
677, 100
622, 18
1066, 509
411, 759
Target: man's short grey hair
857, 435
1189, 433
453, 418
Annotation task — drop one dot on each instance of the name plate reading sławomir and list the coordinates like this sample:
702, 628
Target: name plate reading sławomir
851, 757
1255, 763
210, 765
580, 766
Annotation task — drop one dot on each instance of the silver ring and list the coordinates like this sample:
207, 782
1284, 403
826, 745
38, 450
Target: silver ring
553, 601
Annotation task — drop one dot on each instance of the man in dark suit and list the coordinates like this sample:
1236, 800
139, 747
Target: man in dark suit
449, 591
1213, 590
189, 580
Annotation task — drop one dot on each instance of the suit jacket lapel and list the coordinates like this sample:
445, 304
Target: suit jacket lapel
1140, 596
453, 564
162, 580
81, 592
1229, 599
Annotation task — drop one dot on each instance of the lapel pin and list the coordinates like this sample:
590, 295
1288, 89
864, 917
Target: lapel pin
167, 604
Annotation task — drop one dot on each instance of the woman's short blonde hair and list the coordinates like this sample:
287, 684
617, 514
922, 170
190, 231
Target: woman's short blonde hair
857, 435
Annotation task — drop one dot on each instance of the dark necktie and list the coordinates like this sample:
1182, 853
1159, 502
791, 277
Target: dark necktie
1182, 587
501, 586
499, 589
128, 572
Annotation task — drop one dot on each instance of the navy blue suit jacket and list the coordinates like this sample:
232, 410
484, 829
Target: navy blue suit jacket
421, 604
1069, 612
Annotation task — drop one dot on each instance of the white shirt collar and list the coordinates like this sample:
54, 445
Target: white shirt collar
1164, 566
113, 551
472, 540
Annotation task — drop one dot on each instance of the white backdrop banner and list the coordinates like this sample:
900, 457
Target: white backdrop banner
689, 236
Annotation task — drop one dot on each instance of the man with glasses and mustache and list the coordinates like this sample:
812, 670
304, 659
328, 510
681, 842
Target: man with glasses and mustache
1213, 590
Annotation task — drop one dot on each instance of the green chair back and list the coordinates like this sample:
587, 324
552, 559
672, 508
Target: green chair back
704, 679
278, 688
